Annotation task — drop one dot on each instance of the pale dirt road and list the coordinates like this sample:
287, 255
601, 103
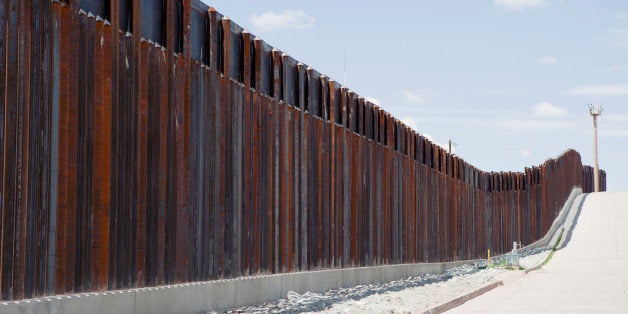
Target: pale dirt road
589, 275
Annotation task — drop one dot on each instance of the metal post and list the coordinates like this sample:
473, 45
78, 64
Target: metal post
451, 143
595, 111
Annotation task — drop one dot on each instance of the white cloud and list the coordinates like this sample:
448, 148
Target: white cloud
618, 38
506, 91
546, 60
613, 68
616, 117
373, 100
526, 152
519, 4
614, 133
600, 90
531, 124
618, 31
284, 20
409, 121
547, 110
431, 139
622, 15
414, 98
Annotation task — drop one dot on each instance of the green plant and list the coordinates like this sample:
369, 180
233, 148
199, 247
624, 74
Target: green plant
560, 236
501, 264
551, 254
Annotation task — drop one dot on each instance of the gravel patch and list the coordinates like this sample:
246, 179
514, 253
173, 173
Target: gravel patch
399, 296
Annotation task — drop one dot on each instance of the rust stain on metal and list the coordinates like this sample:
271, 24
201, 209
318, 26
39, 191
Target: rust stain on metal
169, 169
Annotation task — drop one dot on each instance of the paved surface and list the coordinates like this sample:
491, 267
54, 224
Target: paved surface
589, 275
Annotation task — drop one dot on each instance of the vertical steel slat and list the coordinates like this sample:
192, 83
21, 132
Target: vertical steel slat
257, 183
102, 157
10, 88
284, 185
43, 162
32, 133
3, 108
247, 162
295, 212
184, 127
23, 150
70, 121
145, 106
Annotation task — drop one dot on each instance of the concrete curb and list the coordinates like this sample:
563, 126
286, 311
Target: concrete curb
462, 299
569, 220
537, 267
565, 219
558, 222
220, 295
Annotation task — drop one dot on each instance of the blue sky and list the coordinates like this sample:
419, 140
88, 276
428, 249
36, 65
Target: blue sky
507, 80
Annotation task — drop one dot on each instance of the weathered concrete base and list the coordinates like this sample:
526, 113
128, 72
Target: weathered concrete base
569, 209
220, 295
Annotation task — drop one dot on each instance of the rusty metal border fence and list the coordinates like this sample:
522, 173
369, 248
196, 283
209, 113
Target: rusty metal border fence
200, 152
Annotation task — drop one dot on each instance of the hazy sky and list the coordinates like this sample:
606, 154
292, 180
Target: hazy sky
507, 80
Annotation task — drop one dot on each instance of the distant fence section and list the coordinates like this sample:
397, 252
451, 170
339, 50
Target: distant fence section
152, 142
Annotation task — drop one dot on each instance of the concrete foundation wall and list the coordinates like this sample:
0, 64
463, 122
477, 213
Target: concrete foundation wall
568, 210
220, 295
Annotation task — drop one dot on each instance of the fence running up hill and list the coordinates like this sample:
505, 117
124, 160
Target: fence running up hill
200, 152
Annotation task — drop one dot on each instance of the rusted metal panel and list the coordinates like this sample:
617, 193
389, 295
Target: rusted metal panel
23, 150
43, 135
247, 183
284, 185
275, 146
198, 159
292, 173
332, 187
181, 102
371, 171
257, 183
324, 172
102, 158
68, 159
127, 160
30, 155
4, 6
135, 233
338, 191
266, 186
85, 155
172, 171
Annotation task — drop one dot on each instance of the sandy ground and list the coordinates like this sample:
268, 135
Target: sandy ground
422, 298
413, 294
